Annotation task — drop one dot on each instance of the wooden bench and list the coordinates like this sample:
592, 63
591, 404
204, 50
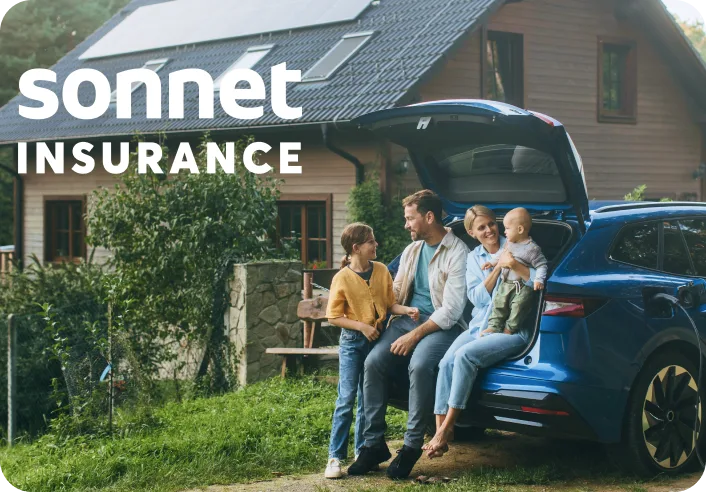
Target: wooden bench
288, 353
312, 311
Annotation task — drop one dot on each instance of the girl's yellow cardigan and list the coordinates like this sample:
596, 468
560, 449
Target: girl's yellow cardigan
352, 297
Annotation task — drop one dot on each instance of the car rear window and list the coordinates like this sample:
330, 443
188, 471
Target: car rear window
637, 245
496, 173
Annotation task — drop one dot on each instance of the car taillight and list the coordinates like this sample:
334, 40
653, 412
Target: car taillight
574, 307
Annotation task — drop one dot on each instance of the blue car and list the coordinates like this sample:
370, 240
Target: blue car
614, 357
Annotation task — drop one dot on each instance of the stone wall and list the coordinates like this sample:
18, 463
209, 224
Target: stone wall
263, 314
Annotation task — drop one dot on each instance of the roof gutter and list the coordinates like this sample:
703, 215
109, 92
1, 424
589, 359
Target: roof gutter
359, 169
19, 212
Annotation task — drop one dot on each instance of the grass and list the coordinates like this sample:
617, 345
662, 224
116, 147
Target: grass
278, 426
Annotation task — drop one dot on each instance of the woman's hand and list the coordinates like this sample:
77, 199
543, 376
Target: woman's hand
370, 332
487, 265
413, 313
506, 260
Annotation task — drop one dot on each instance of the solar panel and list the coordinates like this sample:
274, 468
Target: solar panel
183, 22
336, 57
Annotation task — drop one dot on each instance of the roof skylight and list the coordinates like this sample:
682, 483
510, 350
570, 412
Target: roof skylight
337, 56
154, 65
249, 59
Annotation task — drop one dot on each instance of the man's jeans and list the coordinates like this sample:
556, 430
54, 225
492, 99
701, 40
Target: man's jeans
459, 367
381, 365
354, 347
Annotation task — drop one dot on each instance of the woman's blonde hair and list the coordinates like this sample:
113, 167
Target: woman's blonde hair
355, 233
476, 211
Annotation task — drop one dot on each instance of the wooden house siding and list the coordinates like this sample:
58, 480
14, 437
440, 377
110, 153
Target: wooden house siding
560, 78
323, 173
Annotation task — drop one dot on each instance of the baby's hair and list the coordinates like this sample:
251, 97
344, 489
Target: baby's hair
475, 211
355, 233
522, 217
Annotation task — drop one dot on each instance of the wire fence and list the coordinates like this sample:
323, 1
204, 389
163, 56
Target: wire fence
69, 364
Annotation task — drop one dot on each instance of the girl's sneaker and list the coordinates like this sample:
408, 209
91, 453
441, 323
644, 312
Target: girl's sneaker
333, 468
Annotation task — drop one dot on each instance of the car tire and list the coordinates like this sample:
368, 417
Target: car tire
658, 429
468, 433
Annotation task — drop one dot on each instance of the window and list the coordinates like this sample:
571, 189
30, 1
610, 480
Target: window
617, 82
65, 232
504, 74
694, 231
676, 256
637, 245
247, 60
154, 65
308, 223
337, 56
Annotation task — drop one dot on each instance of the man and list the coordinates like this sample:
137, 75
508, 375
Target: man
431, 277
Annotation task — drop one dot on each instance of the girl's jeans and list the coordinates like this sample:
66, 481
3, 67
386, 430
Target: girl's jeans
459, 367
354, 347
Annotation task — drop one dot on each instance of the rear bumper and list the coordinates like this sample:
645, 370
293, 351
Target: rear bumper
529, 412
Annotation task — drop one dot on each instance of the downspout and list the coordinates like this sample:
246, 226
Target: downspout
19, 212
359, 169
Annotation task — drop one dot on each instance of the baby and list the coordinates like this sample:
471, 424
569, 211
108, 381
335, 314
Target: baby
513, 300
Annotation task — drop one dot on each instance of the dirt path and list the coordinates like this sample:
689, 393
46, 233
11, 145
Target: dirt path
501, 461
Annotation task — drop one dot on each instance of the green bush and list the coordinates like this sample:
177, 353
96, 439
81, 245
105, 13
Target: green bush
76, 292
173, 243
366, 204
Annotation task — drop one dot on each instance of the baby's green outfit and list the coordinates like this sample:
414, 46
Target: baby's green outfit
513, 300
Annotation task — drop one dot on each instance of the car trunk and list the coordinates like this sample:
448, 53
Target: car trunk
484, 152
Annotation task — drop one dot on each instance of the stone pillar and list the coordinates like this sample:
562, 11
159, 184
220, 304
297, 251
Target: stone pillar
263, 314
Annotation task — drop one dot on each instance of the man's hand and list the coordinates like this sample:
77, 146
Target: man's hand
413, 313
538, 285
404, 345
370, 332
487, 331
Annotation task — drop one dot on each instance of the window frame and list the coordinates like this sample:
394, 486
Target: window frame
517, 42
267, 48
307, 78
50, 228
303, 199
160, 62
627, 115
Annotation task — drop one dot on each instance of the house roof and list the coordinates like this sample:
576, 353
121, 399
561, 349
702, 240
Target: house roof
411, 40
411, 36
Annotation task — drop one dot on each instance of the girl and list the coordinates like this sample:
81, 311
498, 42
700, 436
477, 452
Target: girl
360, 298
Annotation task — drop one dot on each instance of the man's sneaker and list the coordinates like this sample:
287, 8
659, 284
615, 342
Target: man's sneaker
333, 468
402, 465
369, 458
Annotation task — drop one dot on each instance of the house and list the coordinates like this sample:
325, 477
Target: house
619, 74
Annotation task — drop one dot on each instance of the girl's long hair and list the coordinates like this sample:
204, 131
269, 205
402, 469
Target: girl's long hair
355, 233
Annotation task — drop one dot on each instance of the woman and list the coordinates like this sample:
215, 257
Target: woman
474, 350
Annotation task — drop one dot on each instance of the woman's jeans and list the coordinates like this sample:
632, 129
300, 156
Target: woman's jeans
354, 347
459, 367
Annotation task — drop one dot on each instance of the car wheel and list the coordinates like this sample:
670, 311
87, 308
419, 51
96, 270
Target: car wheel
659, 429
468, 433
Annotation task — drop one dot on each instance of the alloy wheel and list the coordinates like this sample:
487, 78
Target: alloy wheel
669, 416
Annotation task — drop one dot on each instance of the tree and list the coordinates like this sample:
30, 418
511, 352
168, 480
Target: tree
173, 241
37, 34
696, 34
